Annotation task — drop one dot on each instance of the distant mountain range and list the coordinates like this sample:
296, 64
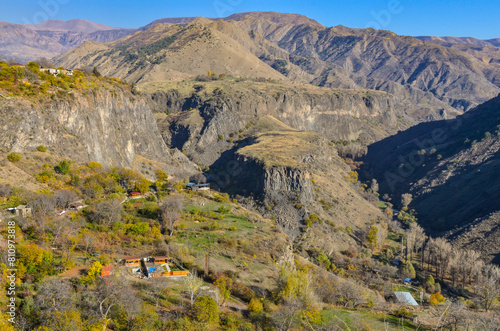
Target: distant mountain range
438, 77
25, 43
461, 40
436, 81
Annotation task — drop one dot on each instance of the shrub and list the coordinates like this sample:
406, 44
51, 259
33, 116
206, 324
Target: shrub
298, 206
223, 210
323, 260
41, 148
402, 313
139, 228
206, 310
13, 157
62, 167
255, 306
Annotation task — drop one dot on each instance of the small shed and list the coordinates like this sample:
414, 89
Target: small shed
160, 260
135, 194
407, 281
132, 262
405, 298
77, 205
107, 271
201, 187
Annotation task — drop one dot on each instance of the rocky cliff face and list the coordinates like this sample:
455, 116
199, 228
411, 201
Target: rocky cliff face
113, 128
291, 175
208, 122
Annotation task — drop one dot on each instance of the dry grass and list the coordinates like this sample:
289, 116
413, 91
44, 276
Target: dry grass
282, 148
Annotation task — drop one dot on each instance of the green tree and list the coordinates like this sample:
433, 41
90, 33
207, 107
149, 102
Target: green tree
224, 284
63, 167
372, 236
407, 270
206, 310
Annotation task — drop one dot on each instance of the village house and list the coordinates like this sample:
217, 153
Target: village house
198, 187
135, 195
159, 266
56, 72
20, 210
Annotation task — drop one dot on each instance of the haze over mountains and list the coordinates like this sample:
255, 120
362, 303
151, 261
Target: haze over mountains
25, 43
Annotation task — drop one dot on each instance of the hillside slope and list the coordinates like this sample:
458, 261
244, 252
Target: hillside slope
450, 168
85, 119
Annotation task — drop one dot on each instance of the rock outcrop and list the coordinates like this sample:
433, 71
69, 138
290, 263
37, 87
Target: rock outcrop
209, 122
113, 128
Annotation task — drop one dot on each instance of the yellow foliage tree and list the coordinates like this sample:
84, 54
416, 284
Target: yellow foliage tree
255, 306
92, 273
436, 299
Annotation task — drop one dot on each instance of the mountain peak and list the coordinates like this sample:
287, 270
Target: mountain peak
282, 18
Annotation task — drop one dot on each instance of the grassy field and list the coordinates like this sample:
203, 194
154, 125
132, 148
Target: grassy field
360, 319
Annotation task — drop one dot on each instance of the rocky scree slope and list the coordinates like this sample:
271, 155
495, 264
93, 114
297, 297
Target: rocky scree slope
299, 180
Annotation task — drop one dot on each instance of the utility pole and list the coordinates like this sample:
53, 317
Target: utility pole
206, 264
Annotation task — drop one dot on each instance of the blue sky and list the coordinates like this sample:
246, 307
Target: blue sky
474, 18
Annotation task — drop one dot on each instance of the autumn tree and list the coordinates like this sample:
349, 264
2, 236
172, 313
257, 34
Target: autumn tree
415, 237
406, 199
54, 294
63, 321
170, 212
64, 198
92, 273
372, 236
192, 284
206, 310
374, 186
142, 185
224, 284
105, 212
487, 286
255, 306
436, 299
